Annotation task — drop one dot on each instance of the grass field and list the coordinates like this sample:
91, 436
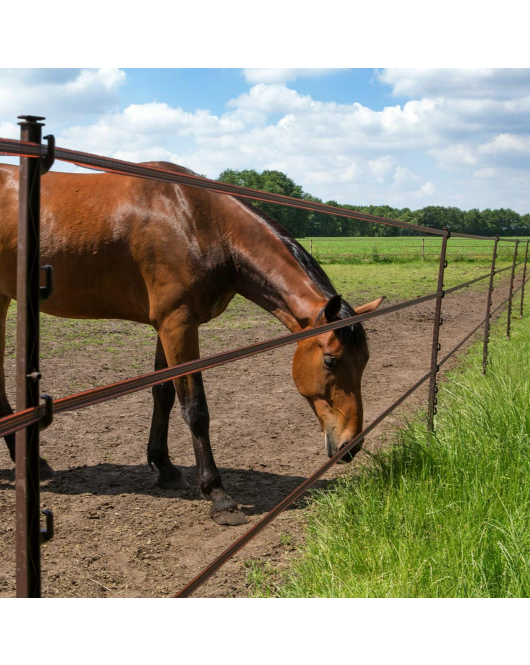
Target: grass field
404, 249
442, 515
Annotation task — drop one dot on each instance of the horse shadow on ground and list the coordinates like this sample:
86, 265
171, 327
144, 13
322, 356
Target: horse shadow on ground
256, 490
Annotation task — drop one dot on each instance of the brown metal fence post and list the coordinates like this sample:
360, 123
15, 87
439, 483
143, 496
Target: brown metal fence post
28, 533
524, 276
508, 323
488, 308
433, 387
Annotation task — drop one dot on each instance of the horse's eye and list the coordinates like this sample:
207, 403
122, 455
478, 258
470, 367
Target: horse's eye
330, 362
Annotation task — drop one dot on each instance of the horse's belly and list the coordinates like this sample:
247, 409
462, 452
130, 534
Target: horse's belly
106, 284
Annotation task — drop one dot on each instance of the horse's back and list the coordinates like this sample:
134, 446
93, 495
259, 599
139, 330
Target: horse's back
117, 243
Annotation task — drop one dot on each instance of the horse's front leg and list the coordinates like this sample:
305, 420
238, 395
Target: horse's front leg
180, 345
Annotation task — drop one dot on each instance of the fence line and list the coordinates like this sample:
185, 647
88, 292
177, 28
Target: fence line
38, 159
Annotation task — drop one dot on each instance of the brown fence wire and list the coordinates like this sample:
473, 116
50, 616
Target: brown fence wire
31, 152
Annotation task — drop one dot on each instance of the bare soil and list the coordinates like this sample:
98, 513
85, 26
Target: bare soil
117, 534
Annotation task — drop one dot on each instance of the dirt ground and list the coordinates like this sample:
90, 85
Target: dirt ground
117, 534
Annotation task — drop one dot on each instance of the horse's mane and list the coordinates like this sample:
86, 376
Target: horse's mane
352, 334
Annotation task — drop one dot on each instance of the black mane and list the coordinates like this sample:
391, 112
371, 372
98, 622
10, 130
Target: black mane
352, 334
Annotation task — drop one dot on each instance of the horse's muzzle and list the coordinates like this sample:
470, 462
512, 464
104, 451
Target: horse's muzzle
332, 450
346, 459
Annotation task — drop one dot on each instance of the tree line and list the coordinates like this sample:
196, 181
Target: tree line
305, 223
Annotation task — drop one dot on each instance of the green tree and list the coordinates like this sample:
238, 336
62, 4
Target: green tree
276, 182
301, 223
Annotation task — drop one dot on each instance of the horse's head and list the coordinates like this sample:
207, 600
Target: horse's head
327, 371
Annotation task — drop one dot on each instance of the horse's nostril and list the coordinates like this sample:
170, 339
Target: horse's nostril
348, 457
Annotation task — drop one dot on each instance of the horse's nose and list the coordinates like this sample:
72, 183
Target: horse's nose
348, 457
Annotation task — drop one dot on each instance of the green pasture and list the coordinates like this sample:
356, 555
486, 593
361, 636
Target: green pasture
434, 515
404, 249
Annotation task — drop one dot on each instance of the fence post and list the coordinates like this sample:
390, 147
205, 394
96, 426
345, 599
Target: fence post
508, 323
311, 249
488, 308
423, 249
524, 276
433, 386
27, 363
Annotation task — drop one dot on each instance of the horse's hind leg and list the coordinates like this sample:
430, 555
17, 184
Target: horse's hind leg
170, 476
5, 407
46, 470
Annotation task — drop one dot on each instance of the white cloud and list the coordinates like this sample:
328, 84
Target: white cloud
486, 173
344, 152
458, 83
380, 167
426, 190
506, 150
282, 75
59, 94
324, 145
9, 130
403, 176
466, 136
454, 154
507, 143
350, 174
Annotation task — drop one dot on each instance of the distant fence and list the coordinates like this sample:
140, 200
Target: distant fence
387, 249
36, 159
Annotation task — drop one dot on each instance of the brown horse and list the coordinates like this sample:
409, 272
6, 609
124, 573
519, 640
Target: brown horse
173, 257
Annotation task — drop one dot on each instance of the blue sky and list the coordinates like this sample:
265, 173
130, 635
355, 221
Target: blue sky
211, 88
406, 137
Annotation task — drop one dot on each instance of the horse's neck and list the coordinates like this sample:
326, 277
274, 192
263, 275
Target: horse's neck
270, 276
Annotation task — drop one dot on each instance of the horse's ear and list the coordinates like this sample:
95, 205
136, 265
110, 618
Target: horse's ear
332, 309
369, 307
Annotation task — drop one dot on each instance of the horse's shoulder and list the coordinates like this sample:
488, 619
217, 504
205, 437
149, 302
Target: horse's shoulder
8, 177
8, 170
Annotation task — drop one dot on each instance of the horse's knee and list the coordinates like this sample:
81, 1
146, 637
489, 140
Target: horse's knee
197, 418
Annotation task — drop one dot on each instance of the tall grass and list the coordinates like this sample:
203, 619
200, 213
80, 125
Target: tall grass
435, 515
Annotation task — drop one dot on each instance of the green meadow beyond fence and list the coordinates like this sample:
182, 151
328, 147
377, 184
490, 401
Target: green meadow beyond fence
32, 415
401, 249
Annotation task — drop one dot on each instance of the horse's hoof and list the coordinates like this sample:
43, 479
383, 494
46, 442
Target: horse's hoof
224, 509
229, 517
45, 470
176, 482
